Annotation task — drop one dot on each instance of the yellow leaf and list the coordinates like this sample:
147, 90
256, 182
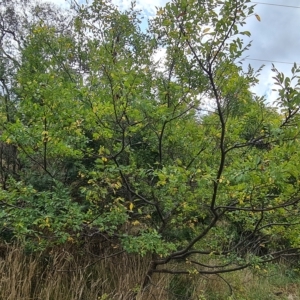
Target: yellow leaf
161, 182
206, 30
257, 17
160, 12
131, 206
70, 239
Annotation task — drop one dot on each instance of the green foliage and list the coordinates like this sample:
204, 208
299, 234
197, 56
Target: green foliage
40, 219
146, 242
176, 158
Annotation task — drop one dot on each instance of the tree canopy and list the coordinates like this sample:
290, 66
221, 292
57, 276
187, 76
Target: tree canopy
175, 157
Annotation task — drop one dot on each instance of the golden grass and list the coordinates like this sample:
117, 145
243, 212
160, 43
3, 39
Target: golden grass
60, 274
70, 274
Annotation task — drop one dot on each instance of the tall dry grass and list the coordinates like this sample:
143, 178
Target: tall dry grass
68, 275
85, 274
95, 273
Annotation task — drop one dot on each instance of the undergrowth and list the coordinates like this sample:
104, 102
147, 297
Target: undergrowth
94, 273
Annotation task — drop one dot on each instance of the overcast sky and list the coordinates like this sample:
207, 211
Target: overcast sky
275, 38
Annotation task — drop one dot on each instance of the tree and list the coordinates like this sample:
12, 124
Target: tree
123, 144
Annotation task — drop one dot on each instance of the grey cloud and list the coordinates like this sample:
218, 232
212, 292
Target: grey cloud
275, 38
